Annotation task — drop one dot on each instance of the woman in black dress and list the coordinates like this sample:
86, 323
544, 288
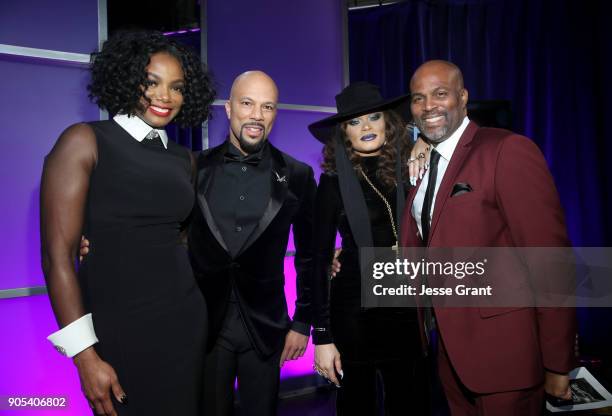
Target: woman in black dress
357, 196
132, 316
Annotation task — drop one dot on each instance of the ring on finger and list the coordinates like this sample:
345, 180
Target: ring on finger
421, 155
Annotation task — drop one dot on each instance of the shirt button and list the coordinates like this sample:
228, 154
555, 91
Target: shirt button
242, 197
238, 228
244, 168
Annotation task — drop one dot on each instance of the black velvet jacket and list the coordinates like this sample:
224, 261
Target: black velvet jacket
330, 217
257, 270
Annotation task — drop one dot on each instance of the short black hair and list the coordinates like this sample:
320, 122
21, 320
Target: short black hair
118, 75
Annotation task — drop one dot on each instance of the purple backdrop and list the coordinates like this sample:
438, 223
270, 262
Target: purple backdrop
45, 99
298, 43
42, 98
64, 25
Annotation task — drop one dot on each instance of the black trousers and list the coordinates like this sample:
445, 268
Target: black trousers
379, 343
404, 388
235, 357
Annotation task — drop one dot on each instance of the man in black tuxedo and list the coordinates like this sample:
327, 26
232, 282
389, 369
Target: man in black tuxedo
249, 195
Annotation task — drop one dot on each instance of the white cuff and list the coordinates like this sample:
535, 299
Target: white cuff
74, 337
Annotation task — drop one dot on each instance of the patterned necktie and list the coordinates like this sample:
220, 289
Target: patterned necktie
153, 139
429, 194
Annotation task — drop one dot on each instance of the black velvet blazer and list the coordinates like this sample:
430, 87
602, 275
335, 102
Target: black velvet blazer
257, 271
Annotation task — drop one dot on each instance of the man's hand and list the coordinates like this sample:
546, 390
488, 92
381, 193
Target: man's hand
557, 385
98, 380
295, 346
327, 362
84, 248
418, 162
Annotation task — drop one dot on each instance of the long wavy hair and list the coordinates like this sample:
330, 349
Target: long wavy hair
395, 129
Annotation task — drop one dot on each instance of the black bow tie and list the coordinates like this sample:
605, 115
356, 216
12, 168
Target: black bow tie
251, 159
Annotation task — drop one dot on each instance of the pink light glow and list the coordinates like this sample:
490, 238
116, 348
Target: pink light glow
29, 366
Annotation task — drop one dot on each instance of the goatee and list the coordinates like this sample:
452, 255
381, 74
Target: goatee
250, 147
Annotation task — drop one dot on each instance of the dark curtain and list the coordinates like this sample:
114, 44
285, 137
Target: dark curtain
191, 138
550, 58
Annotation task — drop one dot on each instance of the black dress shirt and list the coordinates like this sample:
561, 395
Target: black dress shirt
239, 195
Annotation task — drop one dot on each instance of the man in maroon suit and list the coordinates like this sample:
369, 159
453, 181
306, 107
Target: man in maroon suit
487, 188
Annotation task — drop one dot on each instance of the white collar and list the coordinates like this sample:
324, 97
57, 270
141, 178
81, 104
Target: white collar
138, 129
447, 147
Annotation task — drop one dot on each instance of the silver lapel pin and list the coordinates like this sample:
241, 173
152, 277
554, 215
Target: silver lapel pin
280, 178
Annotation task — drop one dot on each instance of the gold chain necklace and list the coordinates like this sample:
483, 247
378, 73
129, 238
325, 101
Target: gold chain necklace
394, 247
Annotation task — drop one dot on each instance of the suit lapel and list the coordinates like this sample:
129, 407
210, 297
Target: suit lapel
456, 162
279, 178
207, 165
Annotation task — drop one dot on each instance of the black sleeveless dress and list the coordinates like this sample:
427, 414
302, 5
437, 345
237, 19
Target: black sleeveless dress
148, 311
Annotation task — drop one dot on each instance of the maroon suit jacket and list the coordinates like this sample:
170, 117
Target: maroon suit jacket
514, 202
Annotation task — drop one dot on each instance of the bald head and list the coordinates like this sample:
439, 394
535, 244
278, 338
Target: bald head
439, 99
251, 110
439, 66
252, 79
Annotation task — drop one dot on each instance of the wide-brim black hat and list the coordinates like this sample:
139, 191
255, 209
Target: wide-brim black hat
355, 100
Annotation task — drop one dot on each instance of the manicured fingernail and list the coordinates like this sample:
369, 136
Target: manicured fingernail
123, 399
421, 175
341, 374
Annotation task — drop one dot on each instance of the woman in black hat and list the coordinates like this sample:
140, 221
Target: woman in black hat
364, 161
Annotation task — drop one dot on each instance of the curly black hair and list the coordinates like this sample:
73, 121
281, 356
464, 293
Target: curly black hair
118, 75
395, 129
